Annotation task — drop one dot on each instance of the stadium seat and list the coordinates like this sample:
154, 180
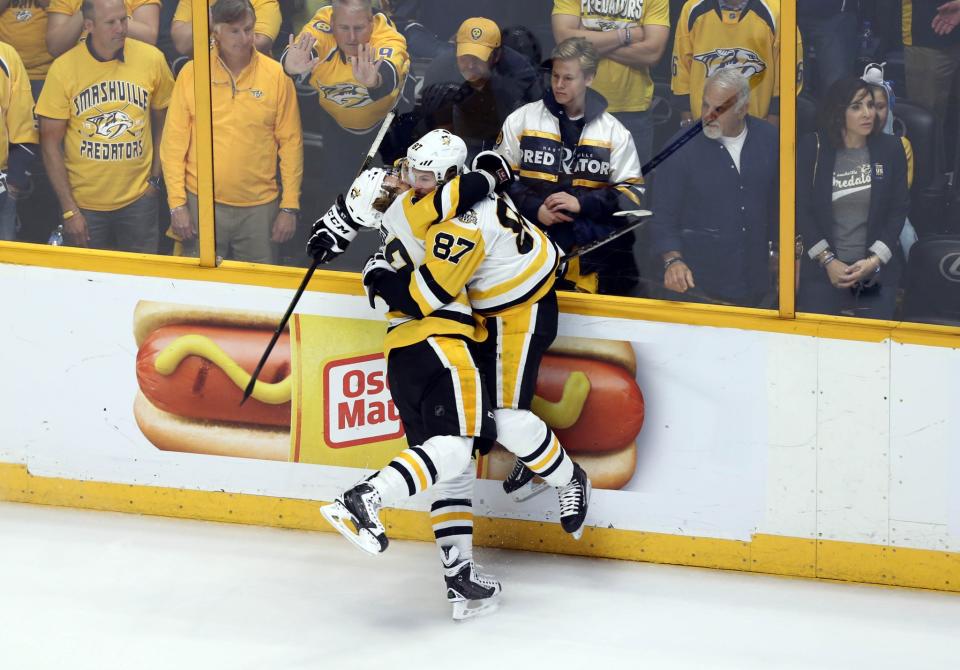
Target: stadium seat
932, 281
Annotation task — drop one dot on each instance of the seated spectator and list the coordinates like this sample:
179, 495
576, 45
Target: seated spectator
66, 23
884, 100
101, 111
18, 137
354, 59
741, 35
852, 201
830, 27
255, 120
575, 160
630, 38
715, 202
265, 32
491, 81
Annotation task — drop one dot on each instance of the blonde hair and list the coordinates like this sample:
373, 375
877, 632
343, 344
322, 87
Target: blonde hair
579, 49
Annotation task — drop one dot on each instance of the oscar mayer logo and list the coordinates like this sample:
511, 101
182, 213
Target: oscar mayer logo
358, 408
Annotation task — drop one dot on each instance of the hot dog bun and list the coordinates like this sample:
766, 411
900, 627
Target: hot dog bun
612, 351
611, 470
170, 432
149, 316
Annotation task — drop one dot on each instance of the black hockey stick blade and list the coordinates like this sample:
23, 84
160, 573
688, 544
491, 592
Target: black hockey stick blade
637, 219
276, 334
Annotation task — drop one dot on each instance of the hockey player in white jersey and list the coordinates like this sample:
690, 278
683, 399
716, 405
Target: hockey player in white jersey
508, 268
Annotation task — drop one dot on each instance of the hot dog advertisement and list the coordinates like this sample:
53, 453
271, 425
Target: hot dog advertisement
322, 397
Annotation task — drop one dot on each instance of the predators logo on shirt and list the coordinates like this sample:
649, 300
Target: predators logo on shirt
346, 94
111, 125
745, 61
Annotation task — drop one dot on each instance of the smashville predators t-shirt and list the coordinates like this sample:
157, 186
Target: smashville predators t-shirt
108, 146
627, 89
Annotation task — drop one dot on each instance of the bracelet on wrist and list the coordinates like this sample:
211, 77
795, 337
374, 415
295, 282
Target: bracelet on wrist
828, 258
670, 261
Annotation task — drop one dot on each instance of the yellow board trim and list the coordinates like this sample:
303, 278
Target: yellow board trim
204, 128
788, 150
769, 554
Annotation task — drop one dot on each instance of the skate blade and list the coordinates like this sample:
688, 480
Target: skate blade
469, 609
529, 490
578, 533
344, 523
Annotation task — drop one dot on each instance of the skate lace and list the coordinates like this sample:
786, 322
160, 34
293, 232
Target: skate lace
570, 496
517, 470
480, 577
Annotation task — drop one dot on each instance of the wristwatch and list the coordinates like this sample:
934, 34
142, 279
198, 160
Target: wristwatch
155, 182
290, 210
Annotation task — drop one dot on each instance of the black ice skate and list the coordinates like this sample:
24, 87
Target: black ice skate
356, 516
574, 500
520, 483
471, 592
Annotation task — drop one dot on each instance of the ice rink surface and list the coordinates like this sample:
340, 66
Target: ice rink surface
123, 592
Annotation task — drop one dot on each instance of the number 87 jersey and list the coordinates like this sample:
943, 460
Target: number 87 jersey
483, 258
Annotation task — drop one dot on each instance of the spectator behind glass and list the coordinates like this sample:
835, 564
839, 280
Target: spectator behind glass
716, 202
255, 120
18, 137
490, 82
569, 153
355, 60
265, 32
66, 24
852, 200
830, 27
101, 113
931, 54
630, 38
727, 34
23, 25
884, 101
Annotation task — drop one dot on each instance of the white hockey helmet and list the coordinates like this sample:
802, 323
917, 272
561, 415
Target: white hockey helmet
361, 199
437, 152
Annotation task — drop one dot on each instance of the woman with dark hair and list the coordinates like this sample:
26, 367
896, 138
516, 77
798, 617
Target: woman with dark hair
852, 200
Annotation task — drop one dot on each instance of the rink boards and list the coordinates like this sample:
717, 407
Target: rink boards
792, 448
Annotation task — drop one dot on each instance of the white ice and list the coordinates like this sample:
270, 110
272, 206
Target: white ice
111, 591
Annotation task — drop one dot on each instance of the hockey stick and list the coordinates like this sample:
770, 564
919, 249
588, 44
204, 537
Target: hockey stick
646, 169
367, 162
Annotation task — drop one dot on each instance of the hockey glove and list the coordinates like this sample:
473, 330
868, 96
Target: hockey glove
496, 167
331, 233
374, 270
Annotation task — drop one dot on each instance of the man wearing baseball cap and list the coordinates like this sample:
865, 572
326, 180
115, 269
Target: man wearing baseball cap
471, 90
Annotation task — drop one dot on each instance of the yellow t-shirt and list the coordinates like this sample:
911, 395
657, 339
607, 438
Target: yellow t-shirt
266, 11
255, 119
17, 124
108, 145
627, 89
23, 26
71, 7
343, 97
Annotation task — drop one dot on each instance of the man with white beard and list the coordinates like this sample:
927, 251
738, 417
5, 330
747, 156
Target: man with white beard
716, 201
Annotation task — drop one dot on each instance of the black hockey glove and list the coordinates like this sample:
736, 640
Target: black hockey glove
373, 271
496, 167
331, 233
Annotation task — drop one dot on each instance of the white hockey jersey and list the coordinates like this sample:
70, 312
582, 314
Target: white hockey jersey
479, 260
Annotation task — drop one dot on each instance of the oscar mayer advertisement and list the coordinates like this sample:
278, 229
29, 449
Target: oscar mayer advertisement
322, 398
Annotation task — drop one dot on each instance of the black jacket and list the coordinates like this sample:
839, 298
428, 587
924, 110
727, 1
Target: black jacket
889, 198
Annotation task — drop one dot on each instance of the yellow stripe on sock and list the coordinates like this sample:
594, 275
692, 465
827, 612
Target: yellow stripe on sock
417, 470
452, 516
542, 463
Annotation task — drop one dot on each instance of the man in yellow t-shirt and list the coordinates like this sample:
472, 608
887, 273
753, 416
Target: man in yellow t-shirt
356, 60
18, 136
255, 120
65, 25
101, 111
266, 29
630, 38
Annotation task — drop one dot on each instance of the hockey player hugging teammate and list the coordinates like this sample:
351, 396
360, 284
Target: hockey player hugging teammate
454, 253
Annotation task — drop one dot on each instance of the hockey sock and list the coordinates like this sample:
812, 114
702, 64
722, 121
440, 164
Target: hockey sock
452, 521
418, 468
523, 433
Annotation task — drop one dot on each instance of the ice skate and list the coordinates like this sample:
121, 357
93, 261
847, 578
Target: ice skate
574, 500
520, 482
356, 516
469, 591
